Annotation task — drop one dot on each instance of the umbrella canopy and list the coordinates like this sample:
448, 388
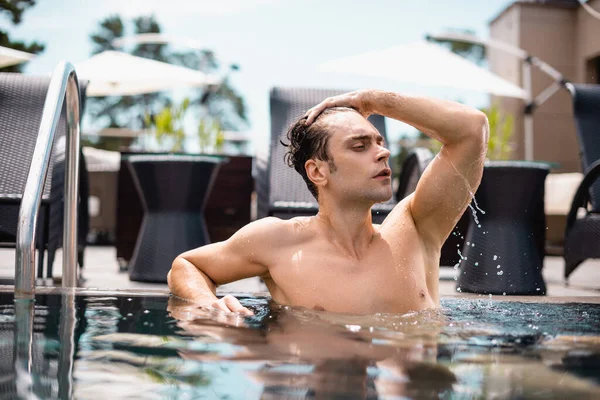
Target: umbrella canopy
427, 64
112, 73
10, 57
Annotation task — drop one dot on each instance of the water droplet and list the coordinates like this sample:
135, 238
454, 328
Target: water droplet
490, 296
146, 311
476, 264
500, 273
498, 267
477, 205
503, 293
495, 257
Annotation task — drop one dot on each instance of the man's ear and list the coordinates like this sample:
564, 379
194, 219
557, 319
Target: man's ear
317, 171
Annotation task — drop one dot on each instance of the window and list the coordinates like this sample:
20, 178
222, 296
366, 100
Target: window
593, 70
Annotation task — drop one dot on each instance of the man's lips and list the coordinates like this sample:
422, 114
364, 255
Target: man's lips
384, 173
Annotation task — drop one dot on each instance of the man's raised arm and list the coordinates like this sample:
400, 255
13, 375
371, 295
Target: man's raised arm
195, 274
451, 179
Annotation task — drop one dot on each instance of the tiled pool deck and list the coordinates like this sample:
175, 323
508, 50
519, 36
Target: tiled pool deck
102, 272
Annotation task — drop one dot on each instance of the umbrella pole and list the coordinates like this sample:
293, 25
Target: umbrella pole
527, 61
528, 114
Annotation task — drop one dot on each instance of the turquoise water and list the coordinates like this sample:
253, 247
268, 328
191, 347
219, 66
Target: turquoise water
117, 346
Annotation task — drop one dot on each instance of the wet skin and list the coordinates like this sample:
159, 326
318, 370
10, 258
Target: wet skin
339, 260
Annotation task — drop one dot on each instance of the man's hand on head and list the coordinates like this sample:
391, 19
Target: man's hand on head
357, 100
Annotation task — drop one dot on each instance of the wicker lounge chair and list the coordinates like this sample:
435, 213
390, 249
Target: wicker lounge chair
21, 105
281, 191
582, 235
412, 168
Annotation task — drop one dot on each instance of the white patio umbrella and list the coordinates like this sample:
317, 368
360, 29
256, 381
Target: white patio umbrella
10, 57
427, 64
112, 73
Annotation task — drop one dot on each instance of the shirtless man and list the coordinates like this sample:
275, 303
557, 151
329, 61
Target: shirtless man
339, 260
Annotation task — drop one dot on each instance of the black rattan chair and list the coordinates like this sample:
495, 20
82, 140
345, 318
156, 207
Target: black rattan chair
21, 104
174, 190
504, 252
281, 191
582, 235
413, 167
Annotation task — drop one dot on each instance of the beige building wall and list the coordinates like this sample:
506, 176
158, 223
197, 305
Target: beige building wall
549, 33
587, 44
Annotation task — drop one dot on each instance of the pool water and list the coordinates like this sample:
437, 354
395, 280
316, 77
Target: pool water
124, 346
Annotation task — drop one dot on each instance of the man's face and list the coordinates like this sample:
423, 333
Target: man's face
361, 170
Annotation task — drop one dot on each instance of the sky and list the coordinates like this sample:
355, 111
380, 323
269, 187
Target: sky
275, 42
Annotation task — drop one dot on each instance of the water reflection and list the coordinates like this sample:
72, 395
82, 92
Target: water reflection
23, 347
457, 353
67, 340
67, 346
320, 354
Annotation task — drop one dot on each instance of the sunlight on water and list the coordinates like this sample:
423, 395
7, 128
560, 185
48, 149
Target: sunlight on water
155, 347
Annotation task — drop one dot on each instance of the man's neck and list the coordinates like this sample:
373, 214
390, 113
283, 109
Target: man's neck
349, 228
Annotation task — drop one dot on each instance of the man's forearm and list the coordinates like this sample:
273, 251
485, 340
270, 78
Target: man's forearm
443, 120
188, 282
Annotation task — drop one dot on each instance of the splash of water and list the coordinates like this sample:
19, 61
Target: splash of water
476, 205
468, 186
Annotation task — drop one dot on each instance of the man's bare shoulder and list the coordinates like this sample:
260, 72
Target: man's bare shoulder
276, 231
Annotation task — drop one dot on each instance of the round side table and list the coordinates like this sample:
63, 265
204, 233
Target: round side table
504, 252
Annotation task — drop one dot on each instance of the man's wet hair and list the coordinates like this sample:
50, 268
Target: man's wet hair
310, 142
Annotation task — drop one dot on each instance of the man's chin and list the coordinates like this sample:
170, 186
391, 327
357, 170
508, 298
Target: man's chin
383, 200
382, 197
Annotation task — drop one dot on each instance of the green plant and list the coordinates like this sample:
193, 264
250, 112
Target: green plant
210, 135
501, 132
168, 126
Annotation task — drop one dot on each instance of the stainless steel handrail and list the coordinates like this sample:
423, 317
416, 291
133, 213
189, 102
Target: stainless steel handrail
63, 85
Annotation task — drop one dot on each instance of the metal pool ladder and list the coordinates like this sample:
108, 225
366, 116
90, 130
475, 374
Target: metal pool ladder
63, 86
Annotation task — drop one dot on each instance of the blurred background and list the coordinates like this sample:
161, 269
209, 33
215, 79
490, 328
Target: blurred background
223, 59
253, 44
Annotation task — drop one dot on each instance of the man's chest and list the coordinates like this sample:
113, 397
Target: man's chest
382, 280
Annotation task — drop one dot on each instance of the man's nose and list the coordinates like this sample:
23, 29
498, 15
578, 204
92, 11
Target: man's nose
383, 154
